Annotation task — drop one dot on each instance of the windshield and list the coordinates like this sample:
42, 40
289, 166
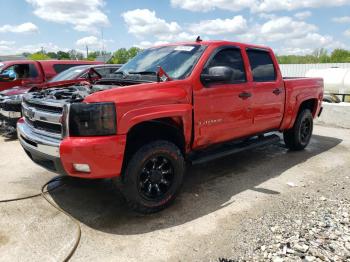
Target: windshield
69, 74
177, 61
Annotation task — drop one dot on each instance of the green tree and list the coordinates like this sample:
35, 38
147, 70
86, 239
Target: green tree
93, 55
52, 55
63, 55
340, 56
38, 56
133, 51
122, 55
75, 55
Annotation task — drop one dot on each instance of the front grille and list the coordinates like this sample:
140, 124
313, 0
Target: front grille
45, 126
6, 106
44, 119
47, 108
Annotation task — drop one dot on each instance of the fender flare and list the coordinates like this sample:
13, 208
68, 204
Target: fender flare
137, 116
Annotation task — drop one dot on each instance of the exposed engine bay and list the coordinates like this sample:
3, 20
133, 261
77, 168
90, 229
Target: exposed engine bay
76, 93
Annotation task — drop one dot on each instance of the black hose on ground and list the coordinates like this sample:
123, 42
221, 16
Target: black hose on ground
43, 194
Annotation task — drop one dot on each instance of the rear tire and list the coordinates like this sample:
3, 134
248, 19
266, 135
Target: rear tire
298, 137
153, 176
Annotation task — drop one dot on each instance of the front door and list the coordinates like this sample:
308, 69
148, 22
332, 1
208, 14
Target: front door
222, 110
19, 75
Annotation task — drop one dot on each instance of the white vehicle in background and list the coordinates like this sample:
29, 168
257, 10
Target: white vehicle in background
336, 83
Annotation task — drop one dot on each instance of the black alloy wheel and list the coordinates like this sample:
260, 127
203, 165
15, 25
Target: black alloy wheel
156, 177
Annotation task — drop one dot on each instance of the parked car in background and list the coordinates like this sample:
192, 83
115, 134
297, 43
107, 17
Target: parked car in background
10, 99
194, 101
29, 72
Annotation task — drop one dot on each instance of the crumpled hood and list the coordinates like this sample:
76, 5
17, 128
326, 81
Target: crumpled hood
17, 90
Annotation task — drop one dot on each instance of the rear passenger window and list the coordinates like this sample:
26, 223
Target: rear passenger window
262, 66
230, 57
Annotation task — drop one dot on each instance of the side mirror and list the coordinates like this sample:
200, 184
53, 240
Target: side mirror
217, 74
7, 77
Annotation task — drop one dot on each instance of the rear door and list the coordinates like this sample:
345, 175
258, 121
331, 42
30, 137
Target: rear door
268, 90
222, 110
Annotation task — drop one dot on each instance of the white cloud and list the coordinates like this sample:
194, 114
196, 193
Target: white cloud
282, 28
4, 42
303, 15
92, 42
254, 5
295, 35
236, 25
89, 41
147, 44
347, 33
341, 20
22, 28
289, 5
208, 5
84, 15
12, 49
144, 22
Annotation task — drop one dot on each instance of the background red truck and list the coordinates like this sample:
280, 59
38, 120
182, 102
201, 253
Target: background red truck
193, 101
28, 72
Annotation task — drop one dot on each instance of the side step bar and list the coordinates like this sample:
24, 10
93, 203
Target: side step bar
232, 148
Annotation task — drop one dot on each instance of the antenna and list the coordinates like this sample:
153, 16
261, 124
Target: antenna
102, 42
199, 39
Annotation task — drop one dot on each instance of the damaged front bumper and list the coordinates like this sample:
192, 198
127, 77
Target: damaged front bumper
42, 150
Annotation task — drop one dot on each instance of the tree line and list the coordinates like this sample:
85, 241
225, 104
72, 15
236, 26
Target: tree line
318, 56
122, 55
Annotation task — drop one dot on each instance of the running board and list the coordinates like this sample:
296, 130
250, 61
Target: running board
232, 148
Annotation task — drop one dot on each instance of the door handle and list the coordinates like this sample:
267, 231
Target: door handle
277, 91
245, 95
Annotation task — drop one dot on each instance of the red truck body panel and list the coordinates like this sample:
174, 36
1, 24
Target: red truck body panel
205, 115
45, 70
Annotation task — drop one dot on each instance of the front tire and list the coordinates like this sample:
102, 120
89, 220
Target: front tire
153, 176
298, 137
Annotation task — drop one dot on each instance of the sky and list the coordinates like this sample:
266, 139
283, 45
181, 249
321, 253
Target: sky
288, 26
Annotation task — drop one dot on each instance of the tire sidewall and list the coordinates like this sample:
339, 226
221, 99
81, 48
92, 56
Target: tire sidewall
306, 114
134, 167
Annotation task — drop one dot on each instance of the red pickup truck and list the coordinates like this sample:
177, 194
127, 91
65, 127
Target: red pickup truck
29, 72
193, 101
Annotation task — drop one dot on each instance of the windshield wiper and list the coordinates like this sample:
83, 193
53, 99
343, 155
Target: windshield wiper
142, 73
120, 73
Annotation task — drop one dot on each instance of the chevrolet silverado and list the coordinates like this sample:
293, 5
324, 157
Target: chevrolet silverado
171, 104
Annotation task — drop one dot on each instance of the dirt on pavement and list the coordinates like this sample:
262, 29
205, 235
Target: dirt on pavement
256, 205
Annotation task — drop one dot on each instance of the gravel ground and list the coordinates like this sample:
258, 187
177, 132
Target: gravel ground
266, 204
320, 232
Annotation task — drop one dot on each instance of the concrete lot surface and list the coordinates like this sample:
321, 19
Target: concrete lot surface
216, 215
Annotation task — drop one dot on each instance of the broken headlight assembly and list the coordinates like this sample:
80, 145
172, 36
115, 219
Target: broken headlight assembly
94, 119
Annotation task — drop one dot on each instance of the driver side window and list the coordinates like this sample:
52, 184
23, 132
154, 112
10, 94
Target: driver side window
230, 57
21, 71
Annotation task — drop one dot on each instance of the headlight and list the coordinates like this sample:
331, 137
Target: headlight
95, 119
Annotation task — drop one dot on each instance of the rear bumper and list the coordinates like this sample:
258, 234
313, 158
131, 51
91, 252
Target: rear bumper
104, 155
